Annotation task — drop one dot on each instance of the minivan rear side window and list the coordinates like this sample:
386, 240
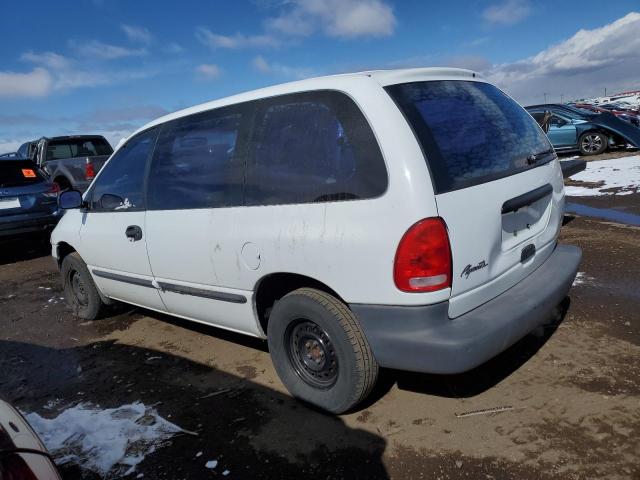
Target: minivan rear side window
470, 132
312, 147
196, 163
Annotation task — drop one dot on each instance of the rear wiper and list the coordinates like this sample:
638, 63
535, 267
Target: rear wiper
536, 157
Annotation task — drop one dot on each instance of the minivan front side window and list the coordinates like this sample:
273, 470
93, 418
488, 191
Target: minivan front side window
119, 186
313, 147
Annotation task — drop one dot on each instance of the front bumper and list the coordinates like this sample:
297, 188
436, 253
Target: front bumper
425, 339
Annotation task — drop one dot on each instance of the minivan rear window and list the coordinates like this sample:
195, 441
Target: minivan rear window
470, 132
16, 173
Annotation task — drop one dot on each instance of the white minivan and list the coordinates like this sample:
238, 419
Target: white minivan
405, 219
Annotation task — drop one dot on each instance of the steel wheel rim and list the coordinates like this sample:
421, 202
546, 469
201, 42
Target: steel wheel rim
312, 354
80, 294
592, 143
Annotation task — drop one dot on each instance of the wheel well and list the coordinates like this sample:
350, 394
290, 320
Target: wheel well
273, 287
64, 249
62, 181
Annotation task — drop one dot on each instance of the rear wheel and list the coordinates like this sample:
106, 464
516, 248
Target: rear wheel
63, 184
320, 351
592, 143
80, 291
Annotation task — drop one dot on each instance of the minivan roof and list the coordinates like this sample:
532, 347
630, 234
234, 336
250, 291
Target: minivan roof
383, 77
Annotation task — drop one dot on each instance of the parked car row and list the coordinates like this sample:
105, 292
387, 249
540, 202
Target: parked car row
570, 128
629, 116
70, 161
28, 199
31, 178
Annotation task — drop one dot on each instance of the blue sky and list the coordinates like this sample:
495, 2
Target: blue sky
108, 66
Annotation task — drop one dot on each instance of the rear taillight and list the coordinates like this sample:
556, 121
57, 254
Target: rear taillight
53, 191
89, 172
423, 258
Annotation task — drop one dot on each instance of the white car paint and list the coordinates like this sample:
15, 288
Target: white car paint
348, 246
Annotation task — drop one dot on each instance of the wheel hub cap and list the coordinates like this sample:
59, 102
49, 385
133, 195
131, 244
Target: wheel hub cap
77, 287
592, 143
312, 354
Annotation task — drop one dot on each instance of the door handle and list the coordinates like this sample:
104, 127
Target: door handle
133, 233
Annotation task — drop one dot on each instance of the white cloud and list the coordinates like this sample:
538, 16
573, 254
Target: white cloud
263, 66
174, 48
472, 62
336, 18
104, 51
208, 71
580, 66
8, 145
120, 114
301, 18
213, 40
37, 83
508, 12
137, 33
48, 59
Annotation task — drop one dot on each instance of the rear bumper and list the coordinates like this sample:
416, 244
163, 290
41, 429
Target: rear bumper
424, 339
10, 228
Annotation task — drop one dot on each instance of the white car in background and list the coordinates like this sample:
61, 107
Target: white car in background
404, 219
22, 454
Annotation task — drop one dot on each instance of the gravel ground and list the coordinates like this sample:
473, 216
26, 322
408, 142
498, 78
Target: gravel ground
564, 406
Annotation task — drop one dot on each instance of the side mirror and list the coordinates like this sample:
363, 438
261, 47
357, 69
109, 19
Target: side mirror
70, 199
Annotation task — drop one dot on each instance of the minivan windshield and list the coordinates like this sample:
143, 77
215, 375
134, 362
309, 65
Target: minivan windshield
470, 132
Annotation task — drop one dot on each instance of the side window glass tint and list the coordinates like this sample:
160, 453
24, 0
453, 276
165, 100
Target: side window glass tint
119, 186
313, 147
196, 163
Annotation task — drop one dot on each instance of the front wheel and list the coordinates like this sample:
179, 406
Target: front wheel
592, 143
79, 290
319, 350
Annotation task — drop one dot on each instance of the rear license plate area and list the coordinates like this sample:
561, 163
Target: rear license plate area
8, 203
524, 223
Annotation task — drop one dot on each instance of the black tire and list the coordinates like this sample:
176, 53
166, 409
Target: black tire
347, 370
79, 290
593, 143
63, 184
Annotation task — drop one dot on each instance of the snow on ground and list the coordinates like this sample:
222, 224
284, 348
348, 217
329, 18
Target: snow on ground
582, 279
110, 441
616, 176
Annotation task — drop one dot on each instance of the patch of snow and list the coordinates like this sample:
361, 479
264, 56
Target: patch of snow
211, 464
582, 279
51, 404
113, 440
617, 176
